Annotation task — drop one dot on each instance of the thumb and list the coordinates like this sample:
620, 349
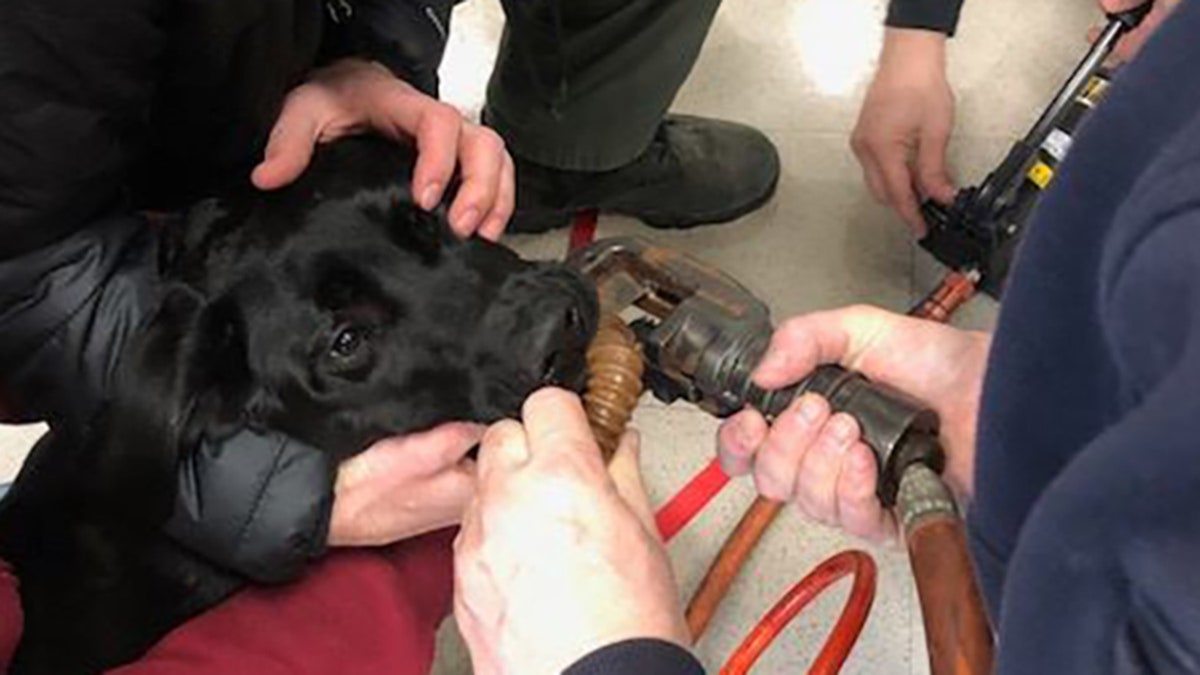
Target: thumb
840, 336
626, 471
290, 146
932, 177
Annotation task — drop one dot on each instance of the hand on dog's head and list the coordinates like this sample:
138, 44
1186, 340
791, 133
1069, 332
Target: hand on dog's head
338, 312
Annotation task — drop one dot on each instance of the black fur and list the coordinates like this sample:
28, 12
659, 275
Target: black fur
334, 311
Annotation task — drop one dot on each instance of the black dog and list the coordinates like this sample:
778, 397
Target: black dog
334, 311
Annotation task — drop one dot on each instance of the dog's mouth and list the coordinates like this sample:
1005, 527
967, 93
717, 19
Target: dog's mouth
565, 370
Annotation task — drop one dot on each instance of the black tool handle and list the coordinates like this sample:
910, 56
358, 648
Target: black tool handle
899, 429
1132, 18
1010, 170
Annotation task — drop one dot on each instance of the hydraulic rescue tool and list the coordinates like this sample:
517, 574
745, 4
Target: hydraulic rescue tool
702, 334
977, 235
695, 334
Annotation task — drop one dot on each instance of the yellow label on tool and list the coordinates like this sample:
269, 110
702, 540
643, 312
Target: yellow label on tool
1096, 88
1041, 174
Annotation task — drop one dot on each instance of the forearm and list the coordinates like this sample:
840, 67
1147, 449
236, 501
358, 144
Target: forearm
918, 53
258, 504
66, 313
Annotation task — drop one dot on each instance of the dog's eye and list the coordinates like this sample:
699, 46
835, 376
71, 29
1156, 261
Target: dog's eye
348, 342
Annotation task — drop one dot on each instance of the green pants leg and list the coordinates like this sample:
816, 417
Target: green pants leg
583, 84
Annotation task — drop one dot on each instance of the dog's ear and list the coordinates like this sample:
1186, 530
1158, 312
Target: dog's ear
184, 245
420, 232
183, 378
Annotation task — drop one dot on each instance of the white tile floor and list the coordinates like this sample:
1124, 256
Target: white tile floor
798, 69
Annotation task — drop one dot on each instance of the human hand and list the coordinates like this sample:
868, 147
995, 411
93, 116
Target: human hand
905, 124
404, 486
818, 460
1131, 44
557, 556
352, 96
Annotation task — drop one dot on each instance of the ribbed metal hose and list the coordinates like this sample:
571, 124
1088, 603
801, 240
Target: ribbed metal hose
614, 382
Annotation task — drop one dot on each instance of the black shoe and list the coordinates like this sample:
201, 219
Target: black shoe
696, 171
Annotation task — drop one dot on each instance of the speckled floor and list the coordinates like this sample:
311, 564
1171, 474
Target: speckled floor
798, 69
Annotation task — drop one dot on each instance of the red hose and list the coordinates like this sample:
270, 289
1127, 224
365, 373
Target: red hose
692, 499
845, 633
583, 230
688, 502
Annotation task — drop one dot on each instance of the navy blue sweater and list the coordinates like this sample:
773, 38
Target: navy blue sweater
1086, 520
1085, 525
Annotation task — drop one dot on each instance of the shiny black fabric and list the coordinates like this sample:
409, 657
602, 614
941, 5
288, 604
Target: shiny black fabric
937, 15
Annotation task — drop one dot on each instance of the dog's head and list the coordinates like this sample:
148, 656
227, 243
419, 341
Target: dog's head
338, 312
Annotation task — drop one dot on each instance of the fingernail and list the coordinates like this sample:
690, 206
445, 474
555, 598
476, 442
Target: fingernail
467, 220
515, 454
742, 435
429, 198
774, 360
810, 408
842, 428
473, 429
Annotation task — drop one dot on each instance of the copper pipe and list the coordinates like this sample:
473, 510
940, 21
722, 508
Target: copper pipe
942, 302
614, 382
729, 562
956, 625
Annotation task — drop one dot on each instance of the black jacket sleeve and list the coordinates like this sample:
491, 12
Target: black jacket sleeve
407, 36
78, 271
937, 15
638, 657
260, 504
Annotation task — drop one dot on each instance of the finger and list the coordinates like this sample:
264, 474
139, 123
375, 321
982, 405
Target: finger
556, 424
738, 439
817, 478
477, 601
506, 200
932, 176
626, 471
859, 509
436, 128
505, 448
442, 446
291, 143
841, 336
898, 184
447, 496
1114, 6
482, 154
778, 462
874, 178
871, 173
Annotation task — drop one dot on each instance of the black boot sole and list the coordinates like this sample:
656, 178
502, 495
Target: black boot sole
540, 221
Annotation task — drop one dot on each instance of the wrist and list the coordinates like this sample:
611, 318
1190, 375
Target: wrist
962, 423
344, 507
913, 51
